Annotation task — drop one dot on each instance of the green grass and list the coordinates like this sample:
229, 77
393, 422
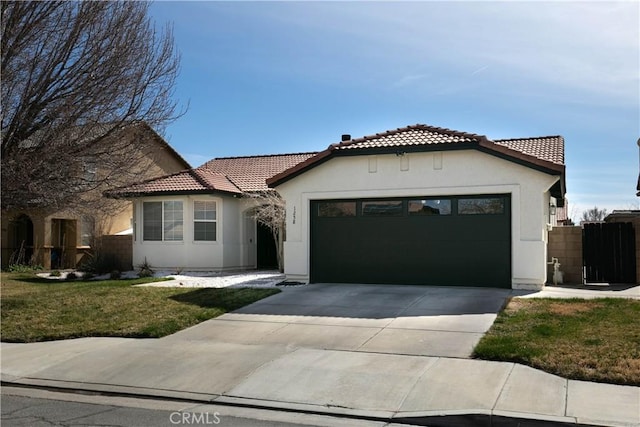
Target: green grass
35, 309
594, 340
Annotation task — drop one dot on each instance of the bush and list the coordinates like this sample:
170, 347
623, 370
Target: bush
145, 269
145, 273
23, 268
115, 275
101, 263
71, 276
54, 273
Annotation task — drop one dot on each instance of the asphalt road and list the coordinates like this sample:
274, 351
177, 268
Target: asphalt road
39, 408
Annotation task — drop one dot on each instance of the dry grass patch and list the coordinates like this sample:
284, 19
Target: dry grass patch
595, 340
35, 309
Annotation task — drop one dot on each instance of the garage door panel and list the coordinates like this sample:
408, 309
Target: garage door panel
451, 249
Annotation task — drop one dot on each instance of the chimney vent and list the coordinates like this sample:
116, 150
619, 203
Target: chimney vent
346, 137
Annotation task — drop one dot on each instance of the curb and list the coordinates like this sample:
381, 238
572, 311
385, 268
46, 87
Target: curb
457, 418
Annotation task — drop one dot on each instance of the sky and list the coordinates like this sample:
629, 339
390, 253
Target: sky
284, 77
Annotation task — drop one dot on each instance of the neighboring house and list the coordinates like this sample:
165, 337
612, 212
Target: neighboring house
423, 205
203, 218
638, 184
561, 217
55, 238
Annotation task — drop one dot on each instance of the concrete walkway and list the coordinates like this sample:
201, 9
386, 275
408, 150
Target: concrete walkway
389, 353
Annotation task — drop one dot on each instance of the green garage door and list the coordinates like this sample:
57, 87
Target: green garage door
422, 240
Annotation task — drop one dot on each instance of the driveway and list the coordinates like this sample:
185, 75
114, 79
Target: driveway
410, 320
386, 353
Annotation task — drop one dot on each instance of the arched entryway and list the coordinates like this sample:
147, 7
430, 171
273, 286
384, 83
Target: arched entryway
21, 240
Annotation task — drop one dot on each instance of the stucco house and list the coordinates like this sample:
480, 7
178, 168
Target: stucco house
423, 205
203, 218
414, 205
59, 238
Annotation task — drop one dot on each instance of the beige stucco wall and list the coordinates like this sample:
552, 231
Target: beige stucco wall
467, 172
234, 248
111, 216
565, 243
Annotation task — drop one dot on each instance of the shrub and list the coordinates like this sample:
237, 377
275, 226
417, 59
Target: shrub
145, 273
71, 276
145, 269
54, 273
101, 263
115, 275
23, 268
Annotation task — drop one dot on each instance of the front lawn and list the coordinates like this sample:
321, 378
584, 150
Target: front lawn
594, 340
35, 309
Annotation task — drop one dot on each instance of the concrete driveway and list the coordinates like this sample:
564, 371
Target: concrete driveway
388, 353
410, 320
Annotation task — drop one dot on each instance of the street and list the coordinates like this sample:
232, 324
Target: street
35, 407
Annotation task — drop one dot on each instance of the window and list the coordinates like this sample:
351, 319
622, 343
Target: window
87, 225
429, 207
162, 221
486, 206
152, 221
90, 170
204, 221
172, 221
336, 209
382, 208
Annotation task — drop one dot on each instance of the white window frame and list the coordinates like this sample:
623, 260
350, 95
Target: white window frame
164, 222
205, 220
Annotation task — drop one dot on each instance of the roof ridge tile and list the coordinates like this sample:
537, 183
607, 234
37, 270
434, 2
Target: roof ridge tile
261, 155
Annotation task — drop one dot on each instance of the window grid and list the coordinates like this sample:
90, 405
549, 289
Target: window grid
204, 221
162, 221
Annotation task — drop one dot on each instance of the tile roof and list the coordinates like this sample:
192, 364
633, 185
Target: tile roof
238, 175
233, 175
250, 173
549, 148
409, 136
546, 153
188, 181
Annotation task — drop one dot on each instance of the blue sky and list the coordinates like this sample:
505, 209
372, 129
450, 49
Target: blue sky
276, 77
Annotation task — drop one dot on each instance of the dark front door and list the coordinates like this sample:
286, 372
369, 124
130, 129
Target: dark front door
419, 240
267, 256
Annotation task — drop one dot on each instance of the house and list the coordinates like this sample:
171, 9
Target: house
423, 205
415, 205
59, 238
638, 184
203, 218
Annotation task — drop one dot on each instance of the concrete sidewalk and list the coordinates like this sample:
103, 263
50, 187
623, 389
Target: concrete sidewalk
268, 356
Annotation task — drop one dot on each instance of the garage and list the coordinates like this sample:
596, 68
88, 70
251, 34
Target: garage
424, 205
454, 240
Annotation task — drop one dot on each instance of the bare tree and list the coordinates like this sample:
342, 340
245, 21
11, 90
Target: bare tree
75, 75
594, 214
271, 213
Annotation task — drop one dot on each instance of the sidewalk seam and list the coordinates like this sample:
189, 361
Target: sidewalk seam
418, 378
493, 407
566, 396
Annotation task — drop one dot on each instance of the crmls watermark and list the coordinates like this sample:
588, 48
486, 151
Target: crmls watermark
195, 418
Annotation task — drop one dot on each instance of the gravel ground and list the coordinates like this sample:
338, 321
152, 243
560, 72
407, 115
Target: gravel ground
200, 279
